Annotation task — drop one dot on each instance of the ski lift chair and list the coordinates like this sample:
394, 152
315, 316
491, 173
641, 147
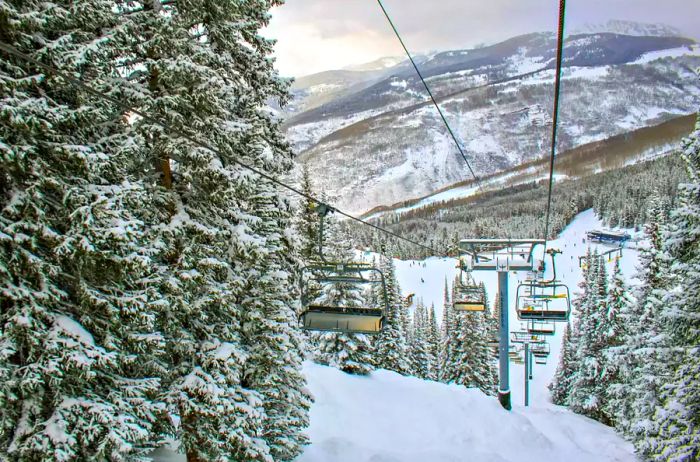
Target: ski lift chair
333, 317
469, 296
544, 300
541, 328
337, 318
540, 350
540, 360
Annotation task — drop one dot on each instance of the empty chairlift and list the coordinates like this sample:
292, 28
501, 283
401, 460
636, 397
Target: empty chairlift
541, 328
469, 296
336, 316
544, 300
540, 349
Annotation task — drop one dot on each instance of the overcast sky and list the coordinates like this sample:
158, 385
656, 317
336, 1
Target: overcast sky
317, 35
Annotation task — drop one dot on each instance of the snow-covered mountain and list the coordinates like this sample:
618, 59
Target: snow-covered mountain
372, 139
618, 26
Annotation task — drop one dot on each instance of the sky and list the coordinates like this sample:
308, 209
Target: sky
318, 35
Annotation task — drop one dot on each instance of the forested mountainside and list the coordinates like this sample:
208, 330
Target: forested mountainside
620, 196
373, 131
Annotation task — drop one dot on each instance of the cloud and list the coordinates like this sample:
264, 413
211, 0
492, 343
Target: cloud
316, 35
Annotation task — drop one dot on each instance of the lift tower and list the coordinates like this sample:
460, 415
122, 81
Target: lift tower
502, 256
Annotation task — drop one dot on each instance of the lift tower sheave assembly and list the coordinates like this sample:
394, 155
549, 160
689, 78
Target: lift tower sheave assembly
502, 256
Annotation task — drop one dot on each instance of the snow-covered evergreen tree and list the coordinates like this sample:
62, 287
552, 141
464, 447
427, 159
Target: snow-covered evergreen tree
565, 374
79, 348
676, 418
205, 70
446, 338
471, 363
588, 393
418, 347
390, 346
613, 334
644, 355
433, 340
349, 352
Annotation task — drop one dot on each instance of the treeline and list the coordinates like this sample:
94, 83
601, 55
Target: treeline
619, 197
632, 357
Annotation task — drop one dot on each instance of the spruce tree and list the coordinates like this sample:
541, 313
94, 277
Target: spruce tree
446, 339
613, 333
433, 339
677, 418
588, 393
79, 349
205, 70
418, 348
390, 345
646, 359
349, 352
564, 376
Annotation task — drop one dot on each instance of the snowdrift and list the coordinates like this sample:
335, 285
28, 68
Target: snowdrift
386, 417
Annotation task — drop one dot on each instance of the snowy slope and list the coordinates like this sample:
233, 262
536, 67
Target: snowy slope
390, 418
433, 274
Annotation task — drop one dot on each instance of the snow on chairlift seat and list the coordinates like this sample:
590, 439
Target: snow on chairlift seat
342, 319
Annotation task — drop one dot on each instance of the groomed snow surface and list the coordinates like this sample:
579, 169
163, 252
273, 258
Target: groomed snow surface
386, 417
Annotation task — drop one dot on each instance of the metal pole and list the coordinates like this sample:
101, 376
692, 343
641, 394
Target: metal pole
531, 368
503, 385
528, 368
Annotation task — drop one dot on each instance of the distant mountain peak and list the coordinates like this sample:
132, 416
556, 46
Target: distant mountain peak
619, 26
377, 64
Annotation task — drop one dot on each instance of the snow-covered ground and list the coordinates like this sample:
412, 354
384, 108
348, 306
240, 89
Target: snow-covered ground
386, 417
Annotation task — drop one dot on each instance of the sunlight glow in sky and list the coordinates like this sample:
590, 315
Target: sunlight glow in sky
318, 35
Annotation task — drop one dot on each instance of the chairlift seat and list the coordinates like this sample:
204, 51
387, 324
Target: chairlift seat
469, 305
543, 315
342, 319
540, 328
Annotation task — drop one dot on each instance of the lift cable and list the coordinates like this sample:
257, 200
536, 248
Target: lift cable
184, 134
555, 115
430, 93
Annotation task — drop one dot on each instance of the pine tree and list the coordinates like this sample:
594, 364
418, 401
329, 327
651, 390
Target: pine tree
433, 340
677, 418
390, 346
588, 392
205, 70
613, 332
644, 358
471, 363
78, 345
307, 219
419, 350
349, 352
446, 339
564, 376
